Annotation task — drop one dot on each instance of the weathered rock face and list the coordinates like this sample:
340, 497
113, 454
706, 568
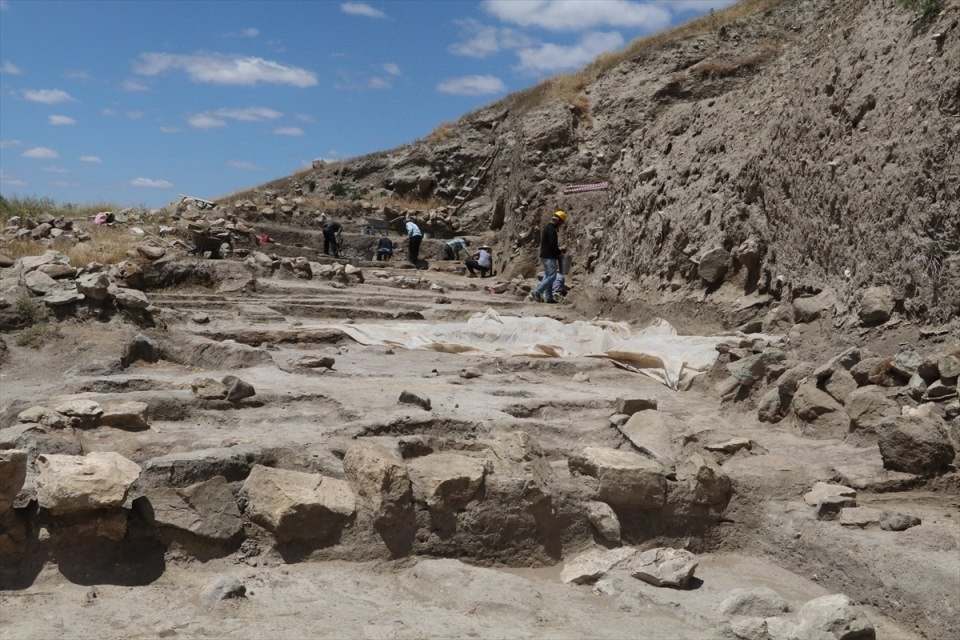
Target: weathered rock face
13, 471
691, 204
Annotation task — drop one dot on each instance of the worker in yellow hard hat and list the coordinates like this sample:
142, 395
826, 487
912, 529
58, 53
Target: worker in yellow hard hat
549, 257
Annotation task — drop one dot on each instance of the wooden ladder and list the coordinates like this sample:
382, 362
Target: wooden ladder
471, 185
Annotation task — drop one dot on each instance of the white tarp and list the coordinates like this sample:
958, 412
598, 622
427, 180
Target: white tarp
656, 351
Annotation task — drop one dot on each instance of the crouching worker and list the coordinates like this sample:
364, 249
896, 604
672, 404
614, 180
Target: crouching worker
481, 261
452, 248
384, 248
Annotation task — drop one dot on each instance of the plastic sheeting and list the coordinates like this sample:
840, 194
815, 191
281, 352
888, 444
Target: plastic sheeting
656, 351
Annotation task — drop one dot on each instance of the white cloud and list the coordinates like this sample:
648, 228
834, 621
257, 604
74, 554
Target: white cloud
579, 15
219, 117
472, 85
47, 96
243, 164
134, 115
77, 74
133, 85
345, 81
6, 178
377, 82
91, 159
205, 121
4, 144
3, 5
699, 6
169, 129
147, 182
54, 170
110, 113
484, 40
361, 9
214, 68
250, 32
288, 131
40, 152
9, 68
391, 68
549, 58
303, 117
250, 114
61, 121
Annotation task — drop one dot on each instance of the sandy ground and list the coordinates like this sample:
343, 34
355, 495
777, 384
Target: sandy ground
565, 404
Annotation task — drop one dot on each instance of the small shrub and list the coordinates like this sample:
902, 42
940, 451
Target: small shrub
350, 191
31, 310
926, 8
38, 335
337, 189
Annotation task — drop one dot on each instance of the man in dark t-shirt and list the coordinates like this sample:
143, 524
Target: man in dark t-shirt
331, 237
549, 257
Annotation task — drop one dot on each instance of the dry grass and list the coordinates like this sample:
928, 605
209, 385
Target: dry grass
107, 245
443, 131
722, 69
32, 206
569, 87
408, 202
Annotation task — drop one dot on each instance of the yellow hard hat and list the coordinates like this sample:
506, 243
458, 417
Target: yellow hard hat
562, 215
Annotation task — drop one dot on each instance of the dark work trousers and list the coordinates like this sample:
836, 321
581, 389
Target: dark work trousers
413, 249
330, 244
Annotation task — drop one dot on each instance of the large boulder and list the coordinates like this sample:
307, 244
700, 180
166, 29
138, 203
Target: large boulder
593, 564
652, 433
706, 480
833, 617
914, 444
207, 509
627, 479
445, 481
665, 567
867, 407
876, 305
297, 506
75, 484
380, 478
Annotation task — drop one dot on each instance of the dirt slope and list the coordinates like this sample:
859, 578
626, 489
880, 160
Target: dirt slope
818, 143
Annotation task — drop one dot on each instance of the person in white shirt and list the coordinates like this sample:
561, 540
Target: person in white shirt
481, 261
413, 244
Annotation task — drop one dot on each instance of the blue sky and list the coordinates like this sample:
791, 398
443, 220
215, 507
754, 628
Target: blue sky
133, 102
